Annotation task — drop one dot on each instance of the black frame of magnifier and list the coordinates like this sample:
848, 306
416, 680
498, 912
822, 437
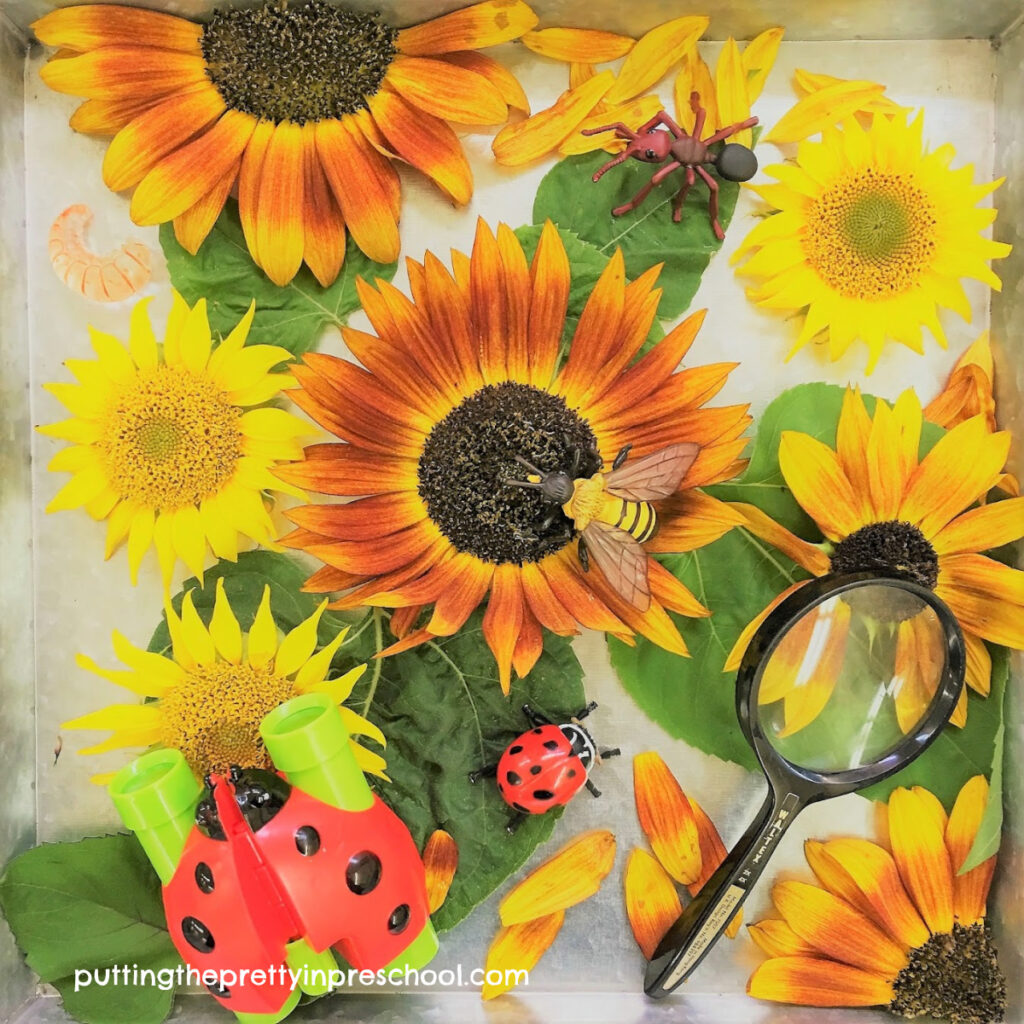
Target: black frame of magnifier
792, 787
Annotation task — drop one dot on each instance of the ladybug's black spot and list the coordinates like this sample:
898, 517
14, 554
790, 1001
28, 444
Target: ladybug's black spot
307, 840
197, 935
513, 778
543, 794
517, 749
551, 744
399, 919
363, 872
218, 990
571, 773
538, 732
520, 808
204, 877
535, 769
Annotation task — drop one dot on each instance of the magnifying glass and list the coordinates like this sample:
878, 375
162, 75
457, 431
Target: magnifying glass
845, 682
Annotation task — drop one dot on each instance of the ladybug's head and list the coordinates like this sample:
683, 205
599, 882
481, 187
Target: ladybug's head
582, 743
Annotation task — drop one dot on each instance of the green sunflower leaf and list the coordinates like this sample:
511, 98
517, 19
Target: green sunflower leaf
737, 576
646, 235
294, 316
92, 905
442, 710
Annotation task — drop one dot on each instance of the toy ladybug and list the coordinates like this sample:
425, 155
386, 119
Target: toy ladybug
546, 766
267, 873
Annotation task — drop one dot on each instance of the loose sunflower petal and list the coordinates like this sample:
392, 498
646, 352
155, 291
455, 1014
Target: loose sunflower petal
652, 903
472, 28
586, 45
440, 860
572, 875
758, 59
822, 109
666, 818
654, 54
519, 947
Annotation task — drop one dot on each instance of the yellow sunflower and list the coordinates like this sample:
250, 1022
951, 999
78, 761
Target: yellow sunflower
459, 382
209, 695
880, 507
299, 107
165, 442
897, 927
869, 235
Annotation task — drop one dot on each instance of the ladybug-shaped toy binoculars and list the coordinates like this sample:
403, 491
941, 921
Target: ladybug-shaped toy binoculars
264, 873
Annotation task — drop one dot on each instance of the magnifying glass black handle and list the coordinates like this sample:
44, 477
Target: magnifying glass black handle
690, 939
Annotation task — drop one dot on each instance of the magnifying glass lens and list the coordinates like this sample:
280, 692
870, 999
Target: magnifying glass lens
852, 678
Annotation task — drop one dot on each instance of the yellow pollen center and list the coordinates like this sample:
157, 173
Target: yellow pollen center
170, 439
872, 235
213, 715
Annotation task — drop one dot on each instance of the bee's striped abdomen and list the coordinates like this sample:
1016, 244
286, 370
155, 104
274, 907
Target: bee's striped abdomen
637, 518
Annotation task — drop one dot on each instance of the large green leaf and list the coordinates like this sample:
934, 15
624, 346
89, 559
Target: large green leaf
441, 707
646, 235
91, 905
294, 316
736, 577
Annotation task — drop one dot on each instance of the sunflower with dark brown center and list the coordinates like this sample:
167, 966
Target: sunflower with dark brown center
301, 107
881, 508
459, 382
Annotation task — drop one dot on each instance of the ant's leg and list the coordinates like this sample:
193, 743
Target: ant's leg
581, 548
581, 714
680, 196
663, 118
622, 456
612, 752
700, 115
534, 718
646, 190
712, 203
617, 127
487, 772
515, 821
593, 789
724, 133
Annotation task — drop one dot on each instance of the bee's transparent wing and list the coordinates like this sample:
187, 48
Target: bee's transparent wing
654, 476
622, 562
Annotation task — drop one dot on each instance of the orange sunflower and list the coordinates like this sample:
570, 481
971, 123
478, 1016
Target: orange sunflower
880, 507
301, 108
458, 382
903, 929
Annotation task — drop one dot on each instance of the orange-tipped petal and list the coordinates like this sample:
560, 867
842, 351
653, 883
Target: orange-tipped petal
440, 859
819, 483
192, 226
918, 845
666, 817
280, 228
573, 45
472, 28
633, 112
571, 876
712, 853
968, 391
654, 54
519, 947
806, 981
529, 140
323, 246
822, 109
91, 26
447, 91
121, 72
810, 556
496, 73
970, 889
108, 117
776, 938
652, 903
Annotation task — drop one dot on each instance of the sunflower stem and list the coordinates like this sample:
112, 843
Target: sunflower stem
378, 642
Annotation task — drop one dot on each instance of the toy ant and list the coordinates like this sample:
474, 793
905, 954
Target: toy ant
546, 766
654, 145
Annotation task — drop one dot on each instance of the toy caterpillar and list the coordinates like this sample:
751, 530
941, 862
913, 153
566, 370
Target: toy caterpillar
266, 870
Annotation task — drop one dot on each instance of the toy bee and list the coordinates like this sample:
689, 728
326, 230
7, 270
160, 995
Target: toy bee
612, 512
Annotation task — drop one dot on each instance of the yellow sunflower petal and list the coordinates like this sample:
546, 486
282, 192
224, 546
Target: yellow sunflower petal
195, 635
518, 948
299, 644
472, 28
160, 672
314, 671
440, 861
652, 903
818, 482
822, 109
572, 875
654, 54
262, 643
94, 25
758, 59
970, 889
120, 717
810, 556
139, 538
980, 529
731, 91
666, 817
920, 851
578, 45
807, 981
224, 629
